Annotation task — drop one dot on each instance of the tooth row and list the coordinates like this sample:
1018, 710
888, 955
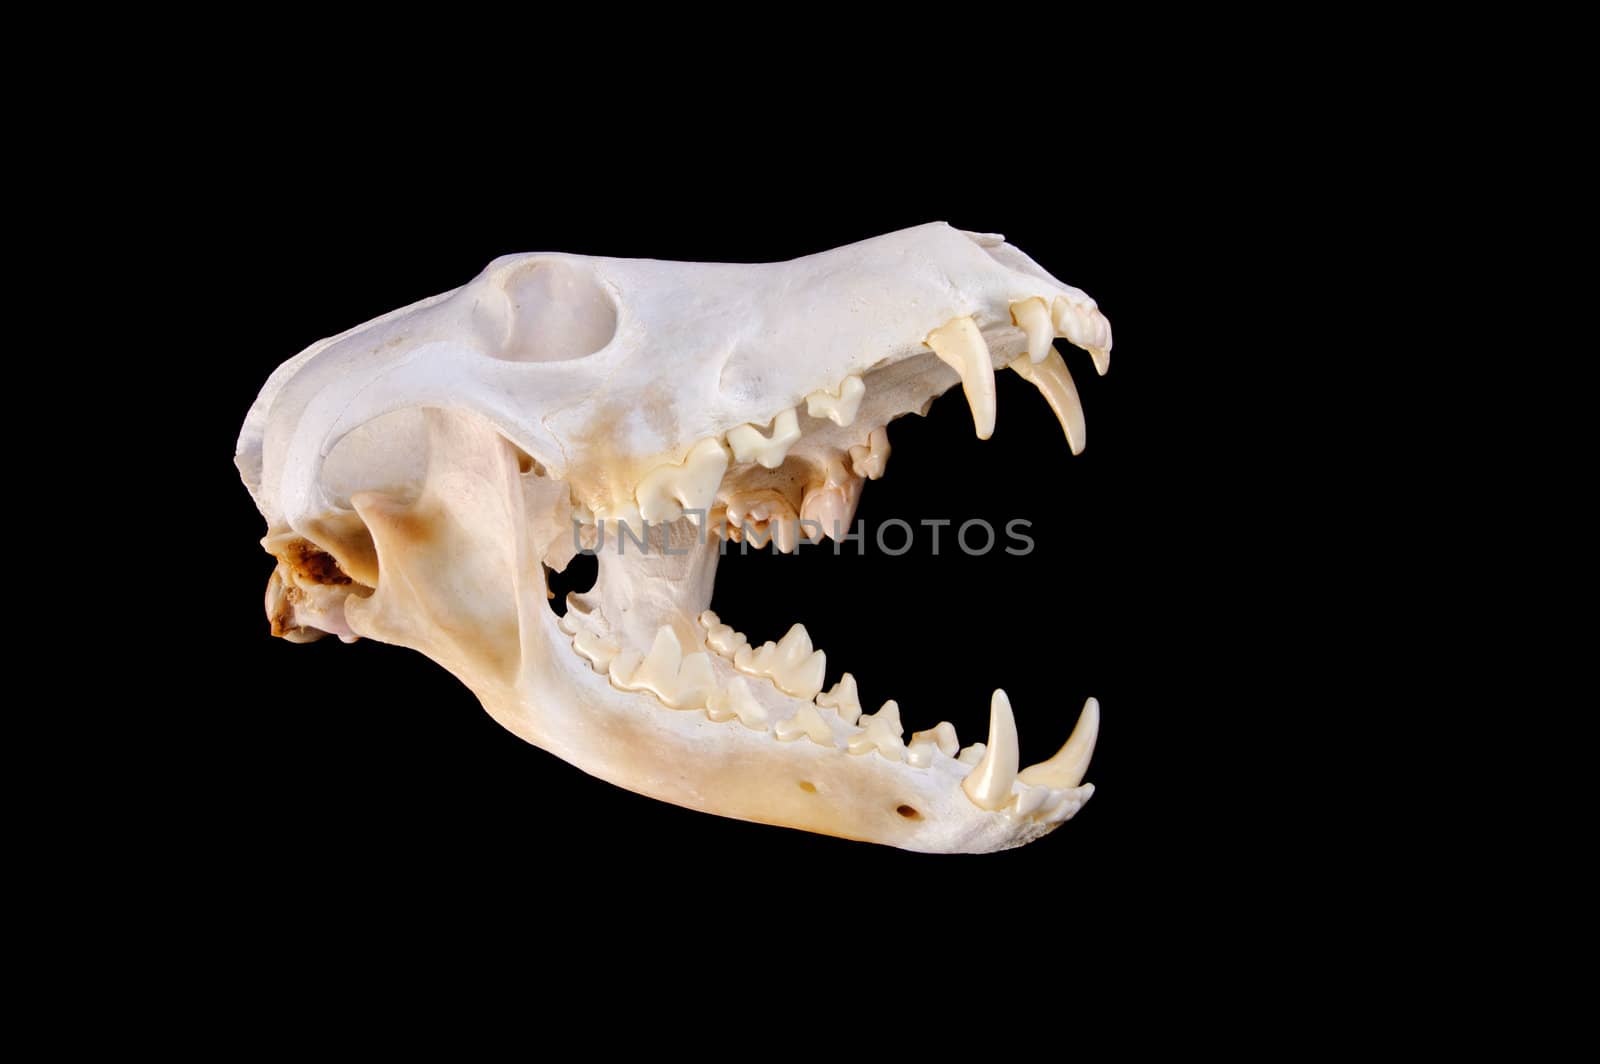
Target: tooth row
1050, 791
839, 406
1080, 323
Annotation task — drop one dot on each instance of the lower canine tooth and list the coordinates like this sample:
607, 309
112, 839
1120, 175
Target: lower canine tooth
882, 733
961, 346
842, 699
1055, 384
1067, 767
989, 782
1033, 315
807, 722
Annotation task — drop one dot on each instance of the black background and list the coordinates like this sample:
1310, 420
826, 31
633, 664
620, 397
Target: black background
362, 783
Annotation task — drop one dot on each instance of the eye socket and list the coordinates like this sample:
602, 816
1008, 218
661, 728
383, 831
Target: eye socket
556, 311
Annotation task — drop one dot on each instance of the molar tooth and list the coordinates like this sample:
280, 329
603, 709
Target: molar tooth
1087, 328
750, 445
1033, 315
597, 651
989, 782
1067, 767
882, 731
721, 637
843, 699
838, 407
1055, 384
737, 700
807, 722
961, 346
792, 666
868, 460
941, 737
668, 490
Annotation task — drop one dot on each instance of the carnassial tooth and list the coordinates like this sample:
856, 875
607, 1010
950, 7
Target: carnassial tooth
597, 651
843, 699
1067, 767
751, 445
940, 737
869, 460
838, 407
882, 731
666, 491
960, 345
1055, 384
1087, 328
989, 782
678, 680
1033, 315
807, 722
737, 700
791, 664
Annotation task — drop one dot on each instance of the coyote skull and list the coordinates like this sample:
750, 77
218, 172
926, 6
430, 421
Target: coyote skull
420, 473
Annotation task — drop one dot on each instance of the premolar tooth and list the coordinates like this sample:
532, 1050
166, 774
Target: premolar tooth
960, 345
807, 722
843, 699
868, 460
1087, 328
838, 407
751, 445
989, 782
666, 491
972, 754
1067, 767
1033, 315
1055, 384
737, 700
595, 650
940, 737
882, 733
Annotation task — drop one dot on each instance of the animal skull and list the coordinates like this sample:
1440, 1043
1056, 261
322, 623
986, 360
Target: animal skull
419, 473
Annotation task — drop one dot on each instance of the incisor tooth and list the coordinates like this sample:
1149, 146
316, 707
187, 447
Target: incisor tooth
989, 782
1033, 315
838, 407
1069, 804
737, 700
961, 346
1087, 328
882, 733
1055, 384
666, 491
940, 737
751, 445
1067, 767
807, 722
869, 459
843, 699
1029, 799
595, 650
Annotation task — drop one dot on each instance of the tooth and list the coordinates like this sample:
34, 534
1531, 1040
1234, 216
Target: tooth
1067, 767
678, 680
870, 459
882, 733
666, 491
843, 699
721, 637
790, 664
831, 505
989, 783
807, 722
1055, 384
1034, 318
1087, 328
751, 445
972, 754
597, 651
1070, 803
1029, 799
940, 737
838, 407
786, 532
622, 668
737, 700
960, 345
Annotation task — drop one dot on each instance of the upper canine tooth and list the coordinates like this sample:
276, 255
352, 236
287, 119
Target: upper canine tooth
807, 722
1055, 384
1033, 315
989, 782
666, 491
882, 733
737, 700
838, 407
941, 737
1087, 328
869, 460
750, 445
842, 699
961, 346
1067, 767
